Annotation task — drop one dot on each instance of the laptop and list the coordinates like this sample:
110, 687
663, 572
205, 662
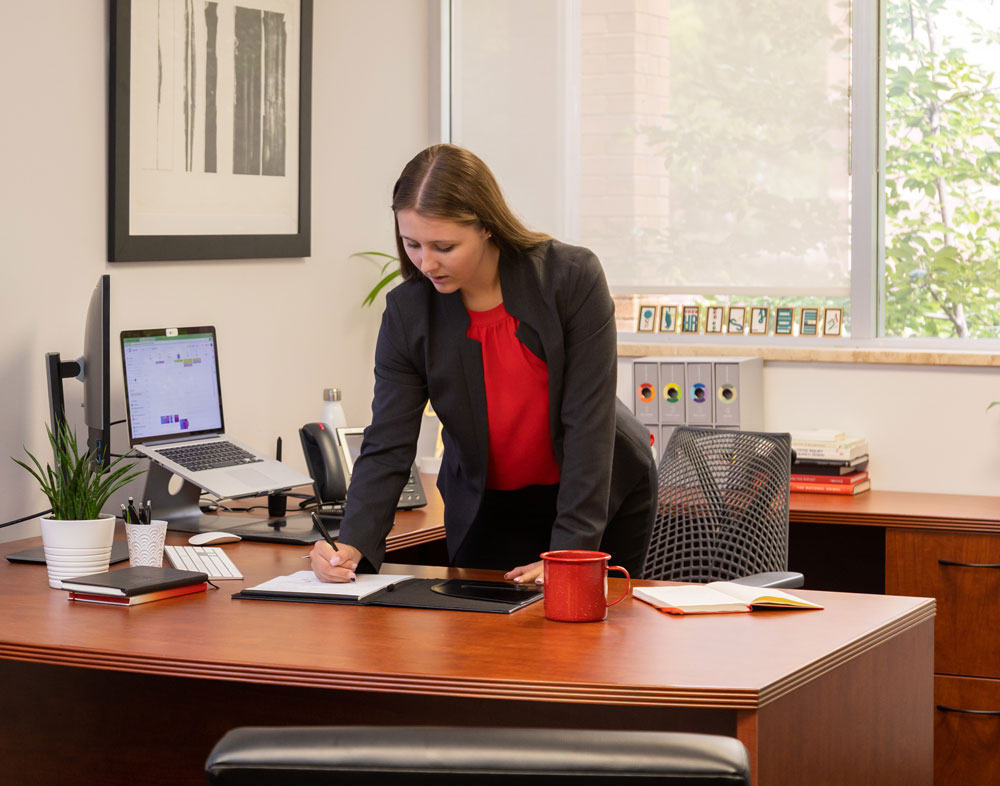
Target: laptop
174, 405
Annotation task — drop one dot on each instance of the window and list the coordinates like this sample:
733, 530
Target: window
942, 173
722, 155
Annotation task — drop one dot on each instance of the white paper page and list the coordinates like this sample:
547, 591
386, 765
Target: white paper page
686, 596
306, 581
749, 593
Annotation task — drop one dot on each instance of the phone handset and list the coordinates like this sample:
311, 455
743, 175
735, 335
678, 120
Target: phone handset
323, 462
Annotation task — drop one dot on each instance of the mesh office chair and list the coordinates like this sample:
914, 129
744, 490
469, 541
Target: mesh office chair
723, 509
409, 755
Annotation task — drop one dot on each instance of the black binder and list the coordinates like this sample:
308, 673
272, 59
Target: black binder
454, 595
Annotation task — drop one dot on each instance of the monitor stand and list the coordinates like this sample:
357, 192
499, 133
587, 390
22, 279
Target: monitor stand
183, 514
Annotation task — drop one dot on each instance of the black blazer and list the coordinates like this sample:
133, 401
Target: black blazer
560, 298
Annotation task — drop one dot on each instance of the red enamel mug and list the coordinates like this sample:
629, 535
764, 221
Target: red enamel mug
576, 585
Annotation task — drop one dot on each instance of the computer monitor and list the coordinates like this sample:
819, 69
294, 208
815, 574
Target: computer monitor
93, 369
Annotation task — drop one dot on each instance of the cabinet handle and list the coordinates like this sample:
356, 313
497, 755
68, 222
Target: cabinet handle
994, 565
943, 708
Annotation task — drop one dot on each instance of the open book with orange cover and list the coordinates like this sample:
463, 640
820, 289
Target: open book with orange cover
719, 597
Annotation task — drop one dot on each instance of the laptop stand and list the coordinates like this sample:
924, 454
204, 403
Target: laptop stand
182, 511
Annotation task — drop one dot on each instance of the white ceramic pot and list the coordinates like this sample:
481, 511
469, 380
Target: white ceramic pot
77, 548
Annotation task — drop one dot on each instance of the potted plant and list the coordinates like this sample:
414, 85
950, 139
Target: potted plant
386, 279
76, 537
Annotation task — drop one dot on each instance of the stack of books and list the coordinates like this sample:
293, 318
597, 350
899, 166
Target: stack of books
132, 586
829, 462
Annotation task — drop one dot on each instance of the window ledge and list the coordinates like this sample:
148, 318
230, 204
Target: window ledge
815, 354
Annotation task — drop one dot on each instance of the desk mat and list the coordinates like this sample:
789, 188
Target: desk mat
413, 593
36, 555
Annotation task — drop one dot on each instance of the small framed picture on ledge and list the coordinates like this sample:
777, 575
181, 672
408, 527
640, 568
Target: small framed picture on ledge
668, 319
691, 319
714, 319
832, 321
759, 320
808, 321
737, 322
783, 321
647, 319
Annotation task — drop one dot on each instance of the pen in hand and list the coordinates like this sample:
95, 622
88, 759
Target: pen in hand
323, 531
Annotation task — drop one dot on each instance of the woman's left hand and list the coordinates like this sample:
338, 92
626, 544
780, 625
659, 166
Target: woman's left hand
526, 574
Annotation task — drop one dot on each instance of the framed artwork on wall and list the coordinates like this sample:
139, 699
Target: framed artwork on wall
668, 319
759, 320
714, 319
832, 321
690, 319
209, 141
737, 320
647, 319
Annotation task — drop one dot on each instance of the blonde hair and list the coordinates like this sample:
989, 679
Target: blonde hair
449, 182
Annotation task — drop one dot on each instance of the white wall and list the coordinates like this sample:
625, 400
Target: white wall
287, 328
926, 425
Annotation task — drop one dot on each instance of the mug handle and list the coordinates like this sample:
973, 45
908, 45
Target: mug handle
628, 584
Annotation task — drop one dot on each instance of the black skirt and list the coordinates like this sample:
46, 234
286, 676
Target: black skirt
512, 528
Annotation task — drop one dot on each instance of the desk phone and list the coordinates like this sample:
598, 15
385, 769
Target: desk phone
330, 456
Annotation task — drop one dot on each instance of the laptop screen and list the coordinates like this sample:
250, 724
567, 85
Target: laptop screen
171, 383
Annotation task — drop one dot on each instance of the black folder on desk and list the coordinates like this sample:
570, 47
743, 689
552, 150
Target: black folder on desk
36, 555
418, 594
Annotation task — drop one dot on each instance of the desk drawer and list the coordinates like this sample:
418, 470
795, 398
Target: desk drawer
966, 744
967, 626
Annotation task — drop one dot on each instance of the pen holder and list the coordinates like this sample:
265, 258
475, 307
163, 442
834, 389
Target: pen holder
145, 543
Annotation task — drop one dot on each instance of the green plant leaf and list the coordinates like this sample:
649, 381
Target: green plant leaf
385, 280
77, 488
390, 257
370, 297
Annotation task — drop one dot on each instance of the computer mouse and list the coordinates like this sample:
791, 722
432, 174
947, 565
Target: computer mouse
213, 538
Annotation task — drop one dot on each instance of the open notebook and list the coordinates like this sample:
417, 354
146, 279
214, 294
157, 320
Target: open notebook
719, 597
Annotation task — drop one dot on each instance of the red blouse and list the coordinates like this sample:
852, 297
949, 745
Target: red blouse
517, 404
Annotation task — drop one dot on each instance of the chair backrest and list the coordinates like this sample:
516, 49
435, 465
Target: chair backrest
722, 506
405, 755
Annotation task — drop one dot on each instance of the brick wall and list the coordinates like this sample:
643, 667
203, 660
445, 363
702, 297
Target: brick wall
624, 87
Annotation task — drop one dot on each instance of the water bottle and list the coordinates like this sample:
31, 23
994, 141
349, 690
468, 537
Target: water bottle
333, 412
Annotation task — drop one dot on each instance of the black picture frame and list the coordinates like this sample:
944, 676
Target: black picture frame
126, 247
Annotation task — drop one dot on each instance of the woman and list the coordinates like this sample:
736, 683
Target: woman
511, 335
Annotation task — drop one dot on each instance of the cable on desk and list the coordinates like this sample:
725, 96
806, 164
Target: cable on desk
26, 518
207, 503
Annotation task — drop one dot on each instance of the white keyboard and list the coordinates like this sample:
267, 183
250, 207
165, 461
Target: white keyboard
204, 559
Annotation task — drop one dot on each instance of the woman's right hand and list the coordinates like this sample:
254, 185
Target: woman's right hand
334, 566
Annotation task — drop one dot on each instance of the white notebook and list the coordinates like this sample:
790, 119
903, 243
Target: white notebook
304, 582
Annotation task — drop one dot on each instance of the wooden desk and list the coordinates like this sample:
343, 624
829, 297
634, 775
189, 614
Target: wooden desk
892, 541
105, 695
